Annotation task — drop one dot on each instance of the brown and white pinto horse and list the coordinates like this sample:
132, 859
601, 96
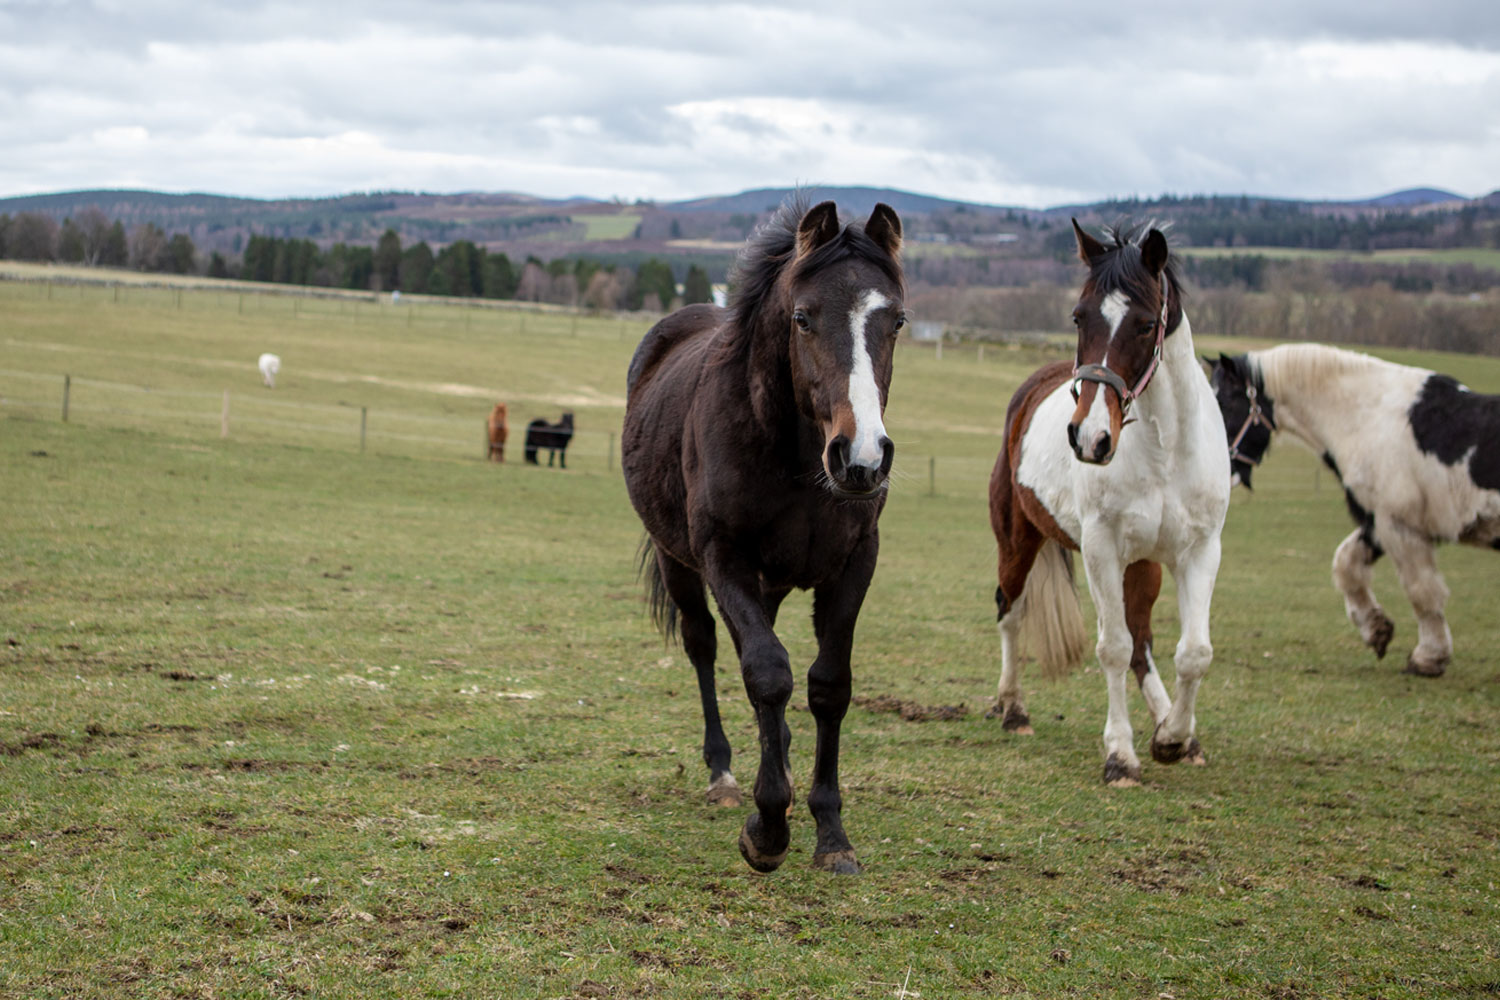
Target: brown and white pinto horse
1122, 455
755, 453
498, 431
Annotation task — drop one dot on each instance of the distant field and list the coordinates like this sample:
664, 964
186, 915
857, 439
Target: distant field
281, 718
610, 227
1477, 256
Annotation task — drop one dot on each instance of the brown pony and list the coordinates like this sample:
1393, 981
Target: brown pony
499, 430
755, 454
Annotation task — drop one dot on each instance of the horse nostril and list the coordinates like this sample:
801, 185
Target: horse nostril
1073, 439
887, 456
1101, 447
838, 456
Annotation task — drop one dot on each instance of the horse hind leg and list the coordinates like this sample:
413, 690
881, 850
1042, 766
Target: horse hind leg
1016, 561
1352, 575
1142, 587
696, 625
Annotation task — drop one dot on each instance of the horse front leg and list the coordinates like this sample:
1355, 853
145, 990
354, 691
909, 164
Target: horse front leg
1175, 738
1122, 768
1352, 575
767, 673
835, 610
1416, 564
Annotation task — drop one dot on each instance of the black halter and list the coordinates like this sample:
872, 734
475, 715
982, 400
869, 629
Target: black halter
1254, 417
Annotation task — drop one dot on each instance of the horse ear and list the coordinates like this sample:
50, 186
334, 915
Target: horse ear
884, 228
1088, 247
818, 226
1154, 251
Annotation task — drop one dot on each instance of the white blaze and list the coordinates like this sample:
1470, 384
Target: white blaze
864, 394
1114, 309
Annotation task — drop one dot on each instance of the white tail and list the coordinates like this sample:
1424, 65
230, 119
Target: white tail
1051, 618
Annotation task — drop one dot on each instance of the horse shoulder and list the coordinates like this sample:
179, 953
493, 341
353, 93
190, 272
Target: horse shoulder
670, 331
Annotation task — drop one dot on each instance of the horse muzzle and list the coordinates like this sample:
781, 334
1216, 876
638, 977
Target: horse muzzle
1097, 450
848, 476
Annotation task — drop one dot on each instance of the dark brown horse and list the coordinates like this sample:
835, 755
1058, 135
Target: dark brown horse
755, 453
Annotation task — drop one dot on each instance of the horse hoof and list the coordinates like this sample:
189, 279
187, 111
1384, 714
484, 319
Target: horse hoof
1120, 773
1013, 718
725, 791
761, 860
1434, 669
838, 862
1380, 636
1172, 753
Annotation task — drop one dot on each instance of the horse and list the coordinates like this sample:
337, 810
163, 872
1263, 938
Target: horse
553, 437
1122, 455
497, 430
1417, 453
755, 453
269, 365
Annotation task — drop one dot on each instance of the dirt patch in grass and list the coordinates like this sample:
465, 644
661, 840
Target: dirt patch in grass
911, 711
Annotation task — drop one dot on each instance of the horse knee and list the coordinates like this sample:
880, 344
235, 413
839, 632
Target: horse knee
768, 677
1192, 658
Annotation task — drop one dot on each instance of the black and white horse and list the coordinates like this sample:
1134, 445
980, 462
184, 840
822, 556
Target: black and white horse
1418, 455
553, 437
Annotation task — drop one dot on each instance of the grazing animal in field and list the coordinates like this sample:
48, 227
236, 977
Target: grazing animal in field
497, 430
553, 437
1120, 454
269, 365
756, 455
1417, 453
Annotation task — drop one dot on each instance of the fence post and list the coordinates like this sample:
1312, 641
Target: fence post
609, 462
932, 475
364, 419
981, 354
939, 350
242, 303
67, 385
224, 417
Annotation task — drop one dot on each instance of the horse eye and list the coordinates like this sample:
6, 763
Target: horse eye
800, 318
900, 321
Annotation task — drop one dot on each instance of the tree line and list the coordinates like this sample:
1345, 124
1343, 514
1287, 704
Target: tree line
461, 268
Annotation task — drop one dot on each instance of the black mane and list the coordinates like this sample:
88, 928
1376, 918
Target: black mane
773, 247
1120, 269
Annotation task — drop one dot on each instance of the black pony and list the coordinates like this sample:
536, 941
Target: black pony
553, 437
755, 453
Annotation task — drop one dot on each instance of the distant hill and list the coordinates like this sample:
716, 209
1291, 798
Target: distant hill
707, 230
1412, 198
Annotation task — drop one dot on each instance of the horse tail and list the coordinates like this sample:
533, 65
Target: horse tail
658, 601
1051, 617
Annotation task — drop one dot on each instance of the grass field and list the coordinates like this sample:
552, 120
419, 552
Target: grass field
281, 718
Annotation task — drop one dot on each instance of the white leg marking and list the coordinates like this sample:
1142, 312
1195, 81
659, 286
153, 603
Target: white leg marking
864, 394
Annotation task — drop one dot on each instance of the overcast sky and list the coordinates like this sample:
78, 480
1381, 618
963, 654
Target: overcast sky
1034, 104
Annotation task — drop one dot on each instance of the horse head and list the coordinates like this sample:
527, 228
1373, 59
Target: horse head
844, 295
1249, 414
1127, 308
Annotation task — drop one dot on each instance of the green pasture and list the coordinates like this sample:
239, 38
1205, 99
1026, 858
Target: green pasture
618, 226
281, 717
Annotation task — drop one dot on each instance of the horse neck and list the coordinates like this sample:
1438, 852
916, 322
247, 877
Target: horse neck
768, 370
1174, 398
1309, 398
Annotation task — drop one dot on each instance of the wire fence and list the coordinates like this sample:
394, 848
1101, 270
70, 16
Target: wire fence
249, 417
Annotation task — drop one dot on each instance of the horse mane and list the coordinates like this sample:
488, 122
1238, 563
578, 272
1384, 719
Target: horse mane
1120, 269
773, 248
1307, 365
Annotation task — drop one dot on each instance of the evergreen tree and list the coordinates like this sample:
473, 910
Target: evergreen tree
70, 243
182, 255
696, 287
416, 268
387, 261
116, 249
655, 277
500, 277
